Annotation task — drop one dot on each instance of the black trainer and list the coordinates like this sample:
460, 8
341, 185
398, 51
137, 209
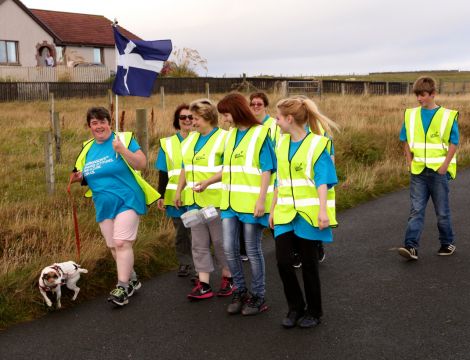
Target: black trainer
134, 285
184, 270
308, 321
119, 296
291, 319
254, 305
446, 250
239, 298
408, 252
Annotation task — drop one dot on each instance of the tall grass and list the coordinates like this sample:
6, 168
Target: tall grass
37, 229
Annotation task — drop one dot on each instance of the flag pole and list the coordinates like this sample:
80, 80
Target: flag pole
116, 106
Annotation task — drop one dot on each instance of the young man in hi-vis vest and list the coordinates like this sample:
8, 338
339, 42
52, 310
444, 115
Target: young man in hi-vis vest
430, 136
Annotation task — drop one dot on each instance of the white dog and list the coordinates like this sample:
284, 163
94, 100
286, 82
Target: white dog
54, 276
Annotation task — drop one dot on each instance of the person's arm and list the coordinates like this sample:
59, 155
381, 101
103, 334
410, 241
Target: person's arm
137, 160
180, 187
450, 154
201, 186
408, 155
77, 176
271, 212
259, 206
323, 220
162, 183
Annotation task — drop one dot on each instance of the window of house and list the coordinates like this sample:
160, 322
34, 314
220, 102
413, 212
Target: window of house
98, 55
8, 52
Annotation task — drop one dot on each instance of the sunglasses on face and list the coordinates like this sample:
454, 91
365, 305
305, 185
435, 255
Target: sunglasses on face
257, 104
184, 117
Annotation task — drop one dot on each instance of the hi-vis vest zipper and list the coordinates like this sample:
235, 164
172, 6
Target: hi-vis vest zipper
201, 166
241, 177
151, 195
297, 193
430, 149
172, 147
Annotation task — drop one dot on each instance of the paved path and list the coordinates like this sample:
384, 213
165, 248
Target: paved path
376, 305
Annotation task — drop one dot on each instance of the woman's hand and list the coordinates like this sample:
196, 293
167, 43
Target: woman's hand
200, 186
118, 146
177, 200
160, 204
323, 220
77, 177
271, 221
259, 208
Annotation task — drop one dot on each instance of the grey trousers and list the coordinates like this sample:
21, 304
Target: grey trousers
182, 243
202, 236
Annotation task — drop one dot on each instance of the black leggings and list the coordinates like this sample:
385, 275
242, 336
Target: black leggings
286, 245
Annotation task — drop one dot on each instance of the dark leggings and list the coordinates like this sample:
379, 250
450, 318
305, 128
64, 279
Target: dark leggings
286, 245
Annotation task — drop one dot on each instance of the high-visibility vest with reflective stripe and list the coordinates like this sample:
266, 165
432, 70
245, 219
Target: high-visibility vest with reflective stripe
241, 177
151, 195
430, 149
201, 166
274, 129
172, 148
297, 193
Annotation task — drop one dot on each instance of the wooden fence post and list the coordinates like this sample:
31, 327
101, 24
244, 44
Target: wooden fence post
387, 88
366, 88
49, 162
162, 96
57, 137
142, 130
51, 95
207, 90
343, 89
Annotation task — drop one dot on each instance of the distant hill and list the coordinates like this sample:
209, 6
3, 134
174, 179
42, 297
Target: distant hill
410, 76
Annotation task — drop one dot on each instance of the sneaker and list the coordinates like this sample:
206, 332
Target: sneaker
119, 296
201, 291
254, 305
291, 319
244, 258
408, 252
239, 299
134, 285
226, 287
183, 271
308, 321
321, 253
446, 250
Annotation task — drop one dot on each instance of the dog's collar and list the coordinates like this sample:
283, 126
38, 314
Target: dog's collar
48, 288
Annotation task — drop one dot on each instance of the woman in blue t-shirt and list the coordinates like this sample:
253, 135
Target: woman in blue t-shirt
105, 166
247, 180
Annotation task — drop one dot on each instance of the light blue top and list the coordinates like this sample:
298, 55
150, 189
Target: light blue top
325, 173
161, 165
199, 145
267, 159
113, 185
426, 118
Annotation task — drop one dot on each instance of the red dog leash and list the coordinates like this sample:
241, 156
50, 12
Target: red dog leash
75, 220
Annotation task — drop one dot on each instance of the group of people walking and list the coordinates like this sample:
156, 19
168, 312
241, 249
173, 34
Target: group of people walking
262, 172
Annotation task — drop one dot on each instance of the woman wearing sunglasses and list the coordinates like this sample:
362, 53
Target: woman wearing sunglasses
259, 103
169, 163
200, 178
249, 164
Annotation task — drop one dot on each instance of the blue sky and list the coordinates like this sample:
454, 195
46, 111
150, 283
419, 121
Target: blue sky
308, 37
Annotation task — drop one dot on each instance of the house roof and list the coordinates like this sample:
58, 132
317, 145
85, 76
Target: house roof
79, 29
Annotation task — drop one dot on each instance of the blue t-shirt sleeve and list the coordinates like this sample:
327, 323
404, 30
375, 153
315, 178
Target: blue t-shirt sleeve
332, 151
134, 145
403, 133
160, 164
454, 133
267, 157
325, 172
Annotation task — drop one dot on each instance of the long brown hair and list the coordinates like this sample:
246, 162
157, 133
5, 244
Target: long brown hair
236, 105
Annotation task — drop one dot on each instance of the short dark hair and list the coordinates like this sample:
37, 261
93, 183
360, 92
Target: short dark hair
260, 95
176, 115
99, 113
424, 84
236, 105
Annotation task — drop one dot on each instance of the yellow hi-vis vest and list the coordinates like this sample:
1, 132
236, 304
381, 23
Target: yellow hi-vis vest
274, 129
151, 195
297, 193
241, 177
430, 149
201, 166
172, 148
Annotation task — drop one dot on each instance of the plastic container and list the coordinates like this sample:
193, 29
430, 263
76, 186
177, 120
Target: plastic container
209, 213
196, 217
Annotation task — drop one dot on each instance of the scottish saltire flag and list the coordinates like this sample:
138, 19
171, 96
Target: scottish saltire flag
138, 64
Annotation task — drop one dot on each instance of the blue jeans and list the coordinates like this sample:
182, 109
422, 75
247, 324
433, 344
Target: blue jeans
429, 184
253, 234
